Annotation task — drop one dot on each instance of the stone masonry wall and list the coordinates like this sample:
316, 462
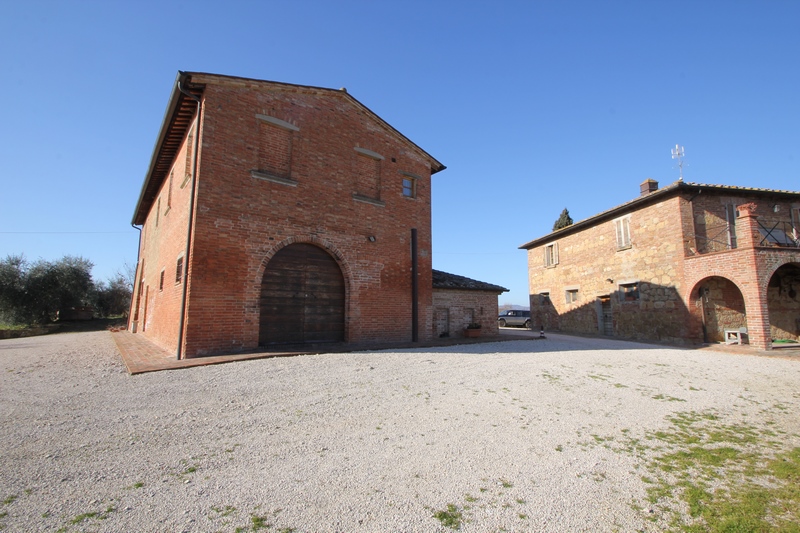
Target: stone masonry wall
591, 263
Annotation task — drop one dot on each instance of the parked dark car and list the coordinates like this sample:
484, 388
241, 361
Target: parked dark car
514, 317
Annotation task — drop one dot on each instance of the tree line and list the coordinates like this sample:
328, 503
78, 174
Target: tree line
34, 292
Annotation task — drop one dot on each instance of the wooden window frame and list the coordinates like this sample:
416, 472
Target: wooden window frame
551, 255
179, 271
622, 232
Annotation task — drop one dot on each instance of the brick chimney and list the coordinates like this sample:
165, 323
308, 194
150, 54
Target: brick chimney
649, 185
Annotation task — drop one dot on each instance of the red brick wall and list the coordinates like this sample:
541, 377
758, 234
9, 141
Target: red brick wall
242, 221
164, 238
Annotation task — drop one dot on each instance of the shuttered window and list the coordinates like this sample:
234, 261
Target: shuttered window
551, 255
622, 227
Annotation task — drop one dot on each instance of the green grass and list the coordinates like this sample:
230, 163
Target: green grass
712, 476
451, 517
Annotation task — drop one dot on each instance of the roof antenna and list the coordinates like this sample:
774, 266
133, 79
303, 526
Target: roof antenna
677, 153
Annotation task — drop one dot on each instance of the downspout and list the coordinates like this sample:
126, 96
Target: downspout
184, 293
136, 277
414, 288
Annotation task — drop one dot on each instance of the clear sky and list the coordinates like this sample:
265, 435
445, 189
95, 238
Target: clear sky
533, 106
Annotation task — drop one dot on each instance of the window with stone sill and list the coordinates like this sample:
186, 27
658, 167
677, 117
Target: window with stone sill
622, 228
629, 292
551, 255
544, 298
409, 187
571, 295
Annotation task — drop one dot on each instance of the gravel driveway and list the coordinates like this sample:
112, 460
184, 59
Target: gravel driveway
529, 435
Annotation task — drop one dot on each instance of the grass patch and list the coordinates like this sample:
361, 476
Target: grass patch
97, 515
451, 517
711, 476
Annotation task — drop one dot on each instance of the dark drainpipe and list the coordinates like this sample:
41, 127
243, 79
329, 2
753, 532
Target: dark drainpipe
182, 319
414, 288
136, 277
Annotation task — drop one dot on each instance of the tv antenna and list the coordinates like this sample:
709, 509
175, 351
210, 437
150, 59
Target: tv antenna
677, 153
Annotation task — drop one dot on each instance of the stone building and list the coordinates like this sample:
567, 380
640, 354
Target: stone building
687, 263
274, 213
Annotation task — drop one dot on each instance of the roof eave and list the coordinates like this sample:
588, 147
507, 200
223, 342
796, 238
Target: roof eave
176, 101
610, 213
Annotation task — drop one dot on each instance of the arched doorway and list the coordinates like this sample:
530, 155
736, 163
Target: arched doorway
783, 301
719, 305
302, 297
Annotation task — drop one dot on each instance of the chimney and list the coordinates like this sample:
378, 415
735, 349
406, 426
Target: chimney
649, 185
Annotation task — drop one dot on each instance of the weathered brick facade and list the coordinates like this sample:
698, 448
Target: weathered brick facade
681, 264
264, 166
460, 301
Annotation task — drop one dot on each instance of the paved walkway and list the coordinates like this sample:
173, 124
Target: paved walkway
141, 355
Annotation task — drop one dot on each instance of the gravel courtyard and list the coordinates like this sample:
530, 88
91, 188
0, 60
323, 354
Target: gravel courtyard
548, 435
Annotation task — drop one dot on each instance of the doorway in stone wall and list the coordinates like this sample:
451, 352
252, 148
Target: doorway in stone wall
302, 297
442, 322
606, 316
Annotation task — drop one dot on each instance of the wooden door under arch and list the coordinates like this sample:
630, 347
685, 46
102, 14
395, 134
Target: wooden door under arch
302, 297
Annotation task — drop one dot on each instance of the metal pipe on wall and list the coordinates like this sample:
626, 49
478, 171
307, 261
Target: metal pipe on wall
414, 288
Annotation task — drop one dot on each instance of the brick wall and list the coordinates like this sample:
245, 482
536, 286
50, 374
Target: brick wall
334, 180
156, 307
454, 309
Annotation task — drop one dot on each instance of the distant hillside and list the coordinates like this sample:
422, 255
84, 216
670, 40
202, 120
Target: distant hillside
508, 307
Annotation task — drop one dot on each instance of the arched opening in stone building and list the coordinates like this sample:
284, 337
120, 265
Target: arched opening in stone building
717, 305
783, 301
302, 297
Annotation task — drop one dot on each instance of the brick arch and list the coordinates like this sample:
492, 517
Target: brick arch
774, 268
327, 246
783, 306
707, 321
693, 282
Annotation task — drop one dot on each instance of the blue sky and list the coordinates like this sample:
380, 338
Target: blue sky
532, 106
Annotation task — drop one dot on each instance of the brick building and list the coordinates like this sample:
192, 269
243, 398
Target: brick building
681, 264
459, 301
274, 213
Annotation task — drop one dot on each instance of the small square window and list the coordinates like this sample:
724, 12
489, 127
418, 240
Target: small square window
629, 292
409, 187
544, 298
572, 295
179, 270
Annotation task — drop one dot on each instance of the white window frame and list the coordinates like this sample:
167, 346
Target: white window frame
551, 255
622, 231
